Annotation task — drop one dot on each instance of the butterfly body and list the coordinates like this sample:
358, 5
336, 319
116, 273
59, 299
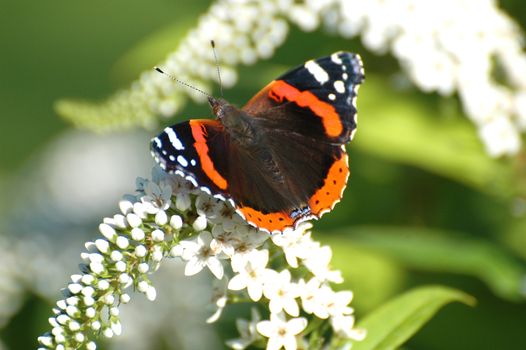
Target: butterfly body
237, 124
281, 158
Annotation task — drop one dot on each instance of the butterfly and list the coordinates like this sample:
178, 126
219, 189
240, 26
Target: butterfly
281, 158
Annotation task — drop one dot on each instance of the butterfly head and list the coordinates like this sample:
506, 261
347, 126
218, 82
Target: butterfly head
221, 108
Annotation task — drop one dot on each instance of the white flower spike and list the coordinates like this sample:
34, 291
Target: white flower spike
156, 225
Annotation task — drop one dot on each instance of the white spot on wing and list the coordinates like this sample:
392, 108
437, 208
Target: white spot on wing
336, 59
345, 76
158, 142
338, 85
332, 97
192, 162
182, 160
173, 139
319, 73
352, 133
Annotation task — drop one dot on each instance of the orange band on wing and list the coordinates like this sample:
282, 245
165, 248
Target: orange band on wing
326, 197
280, 90
271, 221
199, 132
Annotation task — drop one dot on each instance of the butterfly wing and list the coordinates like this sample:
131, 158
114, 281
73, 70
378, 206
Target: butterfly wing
306, 116
310, 182
202, 152
316, 99
195, 149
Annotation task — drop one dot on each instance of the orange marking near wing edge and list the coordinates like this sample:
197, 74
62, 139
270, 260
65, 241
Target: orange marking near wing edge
332, 124
272, 221
331, 192
198, 132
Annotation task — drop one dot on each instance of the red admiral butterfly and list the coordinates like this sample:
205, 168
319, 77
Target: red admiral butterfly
281, 158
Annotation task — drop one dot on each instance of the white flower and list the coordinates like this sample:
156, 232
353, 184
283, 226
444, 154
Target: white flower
183, 201
295, 244
208, 206
198, 254
500, 137
323, 302
252, 239
282, 294
200, 223
233, 237
336, 303
311, 297
281, 333
247, 330
344, 327
157, 197
252, 273
225, 241
318, 262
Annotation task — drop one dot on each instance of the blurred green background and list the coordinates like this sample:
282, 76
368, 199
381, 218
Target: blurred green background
424, 205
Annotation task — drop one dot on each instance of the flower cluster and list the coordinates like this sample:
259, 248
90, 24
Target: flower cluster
244, 31
288, 275
470, 47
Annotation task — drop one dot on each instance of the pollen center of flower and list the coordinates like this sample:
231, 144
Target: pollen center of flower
206, 252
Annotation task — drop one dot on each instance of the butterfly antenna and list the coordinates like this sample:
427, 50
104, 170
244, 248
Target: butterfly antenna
182, 82
217, 66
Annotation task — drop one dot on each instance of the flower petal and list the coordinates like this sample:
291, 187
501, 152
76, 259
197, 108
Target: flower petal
215, 266
291, 307
276, 343
193, 266
296, 325
237, 282
289, 342
255, 291
266, 328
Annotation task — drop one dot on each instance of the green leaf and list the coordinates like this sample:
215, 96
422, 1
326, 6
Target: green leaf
402, 128
443, 251
393, 323
371, 276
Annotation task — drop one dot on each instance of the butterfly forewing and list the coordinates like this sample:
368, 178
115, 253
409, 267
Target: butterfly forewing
316, 98
195, 149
